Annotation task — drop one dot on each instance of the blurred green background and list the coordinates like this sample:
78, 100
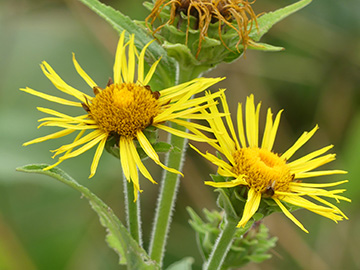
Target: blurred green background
45, 225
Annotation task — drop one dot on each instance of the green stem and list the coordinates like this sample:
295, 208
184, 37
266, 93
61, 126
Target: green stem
167, 197
133, 218
222, 245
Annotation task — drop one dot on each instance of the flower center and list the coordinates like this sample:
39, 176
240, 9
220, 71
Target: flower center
124, 108
265, 171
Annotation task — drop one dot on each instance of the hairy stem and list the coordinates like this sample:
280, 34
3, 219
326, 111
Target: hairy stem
169, 184
166, 201
221, 247
133, 218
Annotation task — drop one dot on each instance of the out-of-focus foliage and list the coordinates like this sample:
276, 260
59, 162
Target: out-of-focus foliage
45, 225
251, 243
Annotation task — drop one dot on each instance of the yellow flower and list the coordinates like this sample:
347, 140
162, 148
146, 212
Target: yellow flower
124, 108
267, 174
238, 15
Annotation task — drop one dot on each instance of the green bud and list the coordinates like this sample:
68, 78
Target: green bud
250, 244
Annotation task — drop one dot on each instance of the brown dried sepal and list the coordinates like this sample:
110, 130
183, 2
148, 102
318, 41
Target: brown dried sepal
110, 82
97, 90
85, 107
156, 94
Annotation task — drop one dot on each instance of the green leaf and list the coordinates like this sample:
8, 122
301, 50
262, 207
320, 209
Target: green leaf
218, 178
118, 237
165, 72
183, 264
266, 21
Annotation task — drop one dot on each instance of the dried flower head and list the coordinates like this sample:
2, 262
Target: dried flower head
236, 15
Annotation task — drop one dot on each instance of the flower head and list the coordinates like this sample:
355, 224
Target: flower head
233, 15
124, 109
267, 174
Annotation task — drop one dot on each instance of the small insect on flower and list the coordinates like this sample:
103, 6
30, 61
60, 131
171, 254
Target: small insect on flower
124, 108
265, 173
231, 15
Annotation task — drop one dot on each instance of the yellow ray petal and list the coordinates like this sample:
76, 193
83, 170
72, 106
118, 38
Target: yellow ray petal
310, 156
312, 164
131, 57
226, 173
289, 215
51, 98
175, 89
77, 121
267, 131
194, 116
304, 203
85, 147
51, 136
61, 115
330, 205
120, 53
68, 151
251, 121
330, 215
187, 124
198, 133
181, 134
233, 183
226, 144
89, 137
327, 212
124, 63
200, 100
97, 156
68, 126
229, 120
141, 63
149, 150
241, 126
186, 90
251, 206
61, 84
332, 184
140, 164
82, 73
131, 152
306, 191
151, 72
124, 159
169, 114
300, 142
273, 131
257, 117
215, 160
318, 173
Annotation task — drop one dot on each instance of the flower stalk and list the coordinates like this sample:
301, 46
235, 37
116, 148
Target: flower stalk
167, 198
221, 246
169, 187
132, 209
